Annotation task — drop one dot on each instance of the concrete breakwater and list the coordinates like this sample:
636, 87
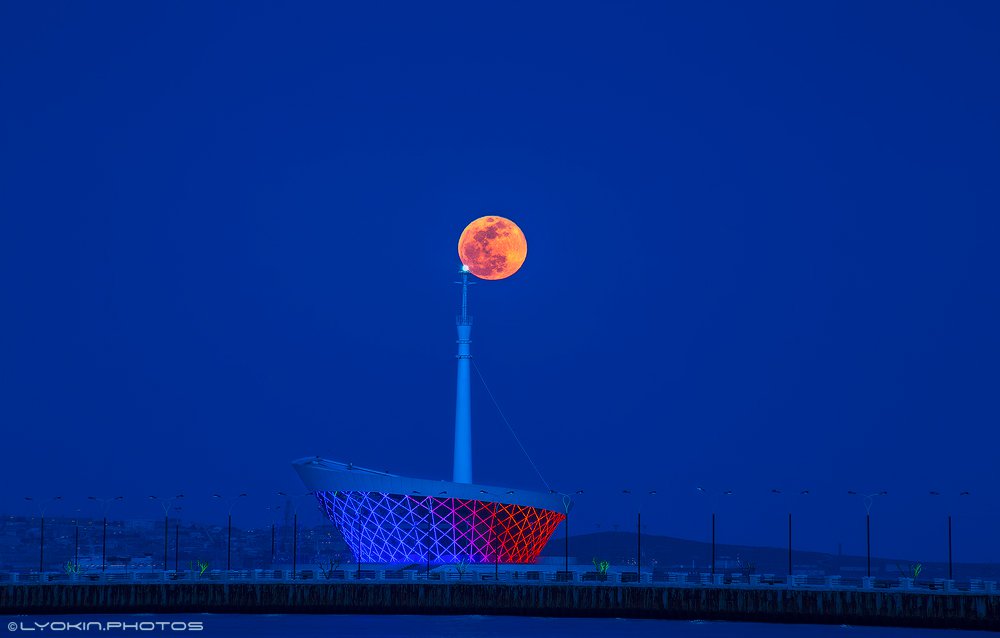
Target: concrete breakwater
854, 607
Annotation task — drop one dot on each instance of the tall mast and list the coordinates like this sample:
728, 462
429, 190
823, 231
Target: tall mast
463, 395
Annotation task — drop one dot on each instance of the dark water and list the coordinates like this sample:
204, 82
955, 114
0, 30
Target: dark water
327, 626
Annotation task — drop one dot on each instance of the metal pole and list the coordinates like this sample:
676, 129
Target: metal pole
431, 529
868, 541
462, 469
566, 563
949, 549
713, 543
229, 545
638, 546
789, 543
177, 544
272, 544
41, 548
359, 549
295, 543
496, 550
166, 537
104, 546
76, 551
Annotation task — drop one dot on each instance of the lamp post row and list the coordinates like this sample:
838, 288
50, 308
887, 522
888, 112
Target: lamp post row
166, 502
868, 501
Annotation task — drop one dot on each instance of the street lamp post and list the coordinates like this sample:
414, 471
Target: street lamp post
493, 545
702, 490
960, 495
713, 543
273, 508
951, 570
177, 544
567, 503
801, 493
165, 504
869, 499
76, 539
105, 505
295, 531
638, 531
41, 506
229, 536
566, 537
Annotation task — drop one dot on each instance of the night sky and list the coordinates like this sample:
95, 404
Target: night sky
762, 255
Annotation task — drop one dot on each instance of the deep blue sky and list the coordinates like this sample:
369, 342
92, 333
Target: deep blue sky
762, 253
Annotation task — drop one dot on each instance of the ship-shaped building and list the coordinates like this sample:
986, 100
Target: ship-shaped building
390, 519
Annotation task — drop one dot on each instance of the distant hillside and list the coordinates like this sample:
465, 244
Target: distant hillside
677, 554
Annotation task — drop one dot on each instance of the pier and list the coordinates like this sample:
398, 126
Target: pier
762, 603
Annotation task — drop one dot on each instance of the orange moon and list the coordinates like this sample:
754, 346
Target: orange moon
492, 247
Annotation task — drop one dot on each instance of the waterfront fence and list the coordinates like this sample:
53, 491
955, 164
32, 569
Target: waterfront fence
526, 577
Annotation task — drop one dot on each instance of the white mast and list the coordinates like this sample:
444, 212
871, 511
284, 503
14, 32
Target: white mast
463, 395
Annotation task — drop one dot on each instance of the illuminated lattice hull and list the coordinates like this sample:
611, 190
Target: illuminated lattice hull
396, 528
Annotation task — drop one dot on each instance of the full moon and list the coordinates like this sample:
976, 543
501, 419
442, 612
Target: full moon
492, 247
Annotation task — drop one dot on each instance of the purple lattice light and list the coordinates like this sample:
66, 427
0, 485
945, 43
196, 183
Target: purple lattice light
396, 528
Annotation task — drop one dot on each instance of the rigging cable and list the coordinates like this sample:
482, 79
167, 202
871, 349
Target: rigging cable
513, 433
